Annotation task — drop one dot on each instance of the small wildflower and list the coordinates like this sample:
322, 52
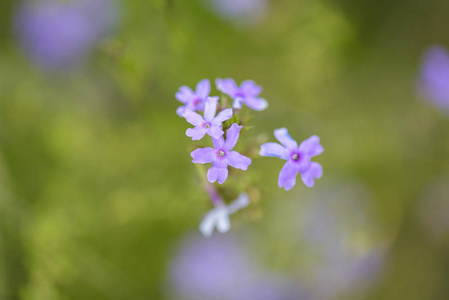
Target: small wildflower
298, 158
210, 124
221, 156
193, 100
434, 81
219, 216
247, 93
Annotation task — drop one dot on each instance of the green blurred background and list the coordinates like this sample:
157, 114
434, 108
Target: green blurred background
96, 183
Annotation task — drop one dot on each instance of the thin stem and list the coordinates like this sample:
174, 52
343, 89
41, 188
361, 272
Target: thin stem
210, 189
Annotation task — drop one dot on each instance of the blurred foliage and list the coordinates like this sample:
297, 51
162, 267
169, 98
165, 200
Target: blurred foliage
96, 184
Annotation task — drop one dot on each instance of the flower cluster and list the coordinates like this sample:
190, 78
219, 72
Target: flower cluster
210, 116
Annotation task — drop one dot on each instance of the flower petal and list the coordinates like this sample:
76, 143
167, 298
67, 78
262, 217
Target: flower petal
256, 103
315, 171
223, 223
274, 150
311, 146
287, 176
232, 137
203, 155
285, 139
227, 86
203, 89
222, 116
218, 143
215, 173
250, 88
181, 110
238, 160
193, 118
210, 108
185, 94
207, 225
215, 132
196, 133
237, 104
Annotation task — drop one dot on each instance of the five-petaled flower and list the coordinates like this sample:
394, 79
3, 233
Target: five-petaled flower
219, 216
298, 158
210, 124
221, 156
248, 93
193, 100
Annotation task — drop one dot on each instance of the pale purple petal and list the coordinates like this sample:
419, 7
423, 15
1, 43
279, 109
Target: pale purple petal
223, 223
237, 104
193, 118
185, 94
238, 160
274, 150
181, 110
311, 146
227, 86
287, 176
232, 137
256, 103
222, 116
210, 108
285, 139
218, 143
215, 173
203, 155
315, 171
250, 88
215, 132
196, 133
203, 89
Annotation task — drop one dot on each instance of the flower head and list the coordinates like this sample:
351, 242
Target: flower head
210, 124
247, 93
298, 158
434, 80
219, 216
193, 100
57, 35
221, 156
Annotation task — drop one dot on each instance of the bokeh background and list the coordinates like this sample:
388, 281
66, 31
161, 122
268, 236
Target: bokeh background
99, 199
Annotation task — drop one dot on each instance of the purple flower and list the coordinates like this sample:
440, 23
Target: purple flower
221, 156
210, 124
57, 36
298, 158
248, 93
434, 81
193, 100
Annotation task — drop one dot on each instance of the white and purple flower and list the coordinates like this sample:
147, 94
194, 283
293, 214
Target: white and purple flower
221, 156
193, 100
298, 158
210, 124
247, 93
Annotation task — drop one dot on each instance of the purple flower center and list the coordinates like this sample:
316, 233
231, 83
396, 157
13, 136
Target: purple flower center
221, 153
239, 95
206, 125
197, 101
296, 156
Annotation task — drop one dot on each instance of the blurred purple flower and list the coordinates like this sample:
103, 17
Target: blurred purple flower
57, 35
434, 80
193, 100
247, 93
213, 268
219, 268
298, 158
210, 124
248, 11
222, 156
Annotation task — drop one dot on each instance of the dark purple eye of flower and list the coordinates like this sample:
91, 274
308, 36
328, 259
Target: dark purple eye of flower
197, 101
221, 153
239, 95
296, 156
206, 125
